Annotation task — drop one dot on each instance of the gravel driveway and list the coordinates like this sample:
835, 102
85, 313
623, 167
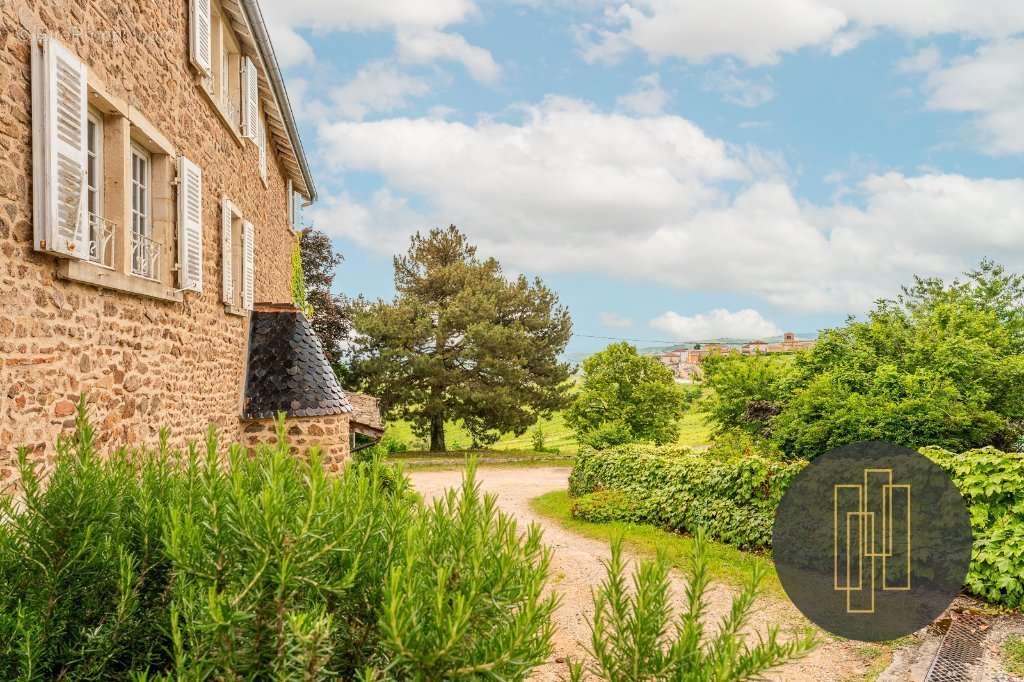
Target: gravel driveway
576, 567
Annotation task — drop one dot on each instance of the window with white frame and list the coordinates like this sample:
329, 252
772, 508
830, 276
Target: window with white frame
145, 250
106, 184
94, 163
101, 231
237, 257
223, 80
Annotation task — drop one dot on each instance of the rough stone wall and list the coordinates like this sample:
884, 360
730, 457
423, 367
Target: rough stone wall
142, 363
330, 434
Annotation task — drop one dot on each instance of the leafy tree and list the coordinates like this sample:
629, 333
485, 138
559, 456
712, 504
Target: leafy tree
634, 639
462, 341
937, 365
626, 397
745, 391
330, 312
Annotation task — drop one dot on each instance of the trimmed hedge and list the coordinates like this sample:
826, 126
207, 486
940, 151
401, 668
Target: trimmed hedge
734, 500
992, 483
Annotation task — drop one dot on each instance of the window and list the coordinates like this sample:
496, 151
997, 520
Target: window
101, 231
145, 250
237, 261
108, 185
223, 85
94, 163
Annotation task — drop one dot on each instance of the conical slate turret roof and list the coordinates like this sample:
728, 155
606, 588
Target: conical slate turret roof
288, 371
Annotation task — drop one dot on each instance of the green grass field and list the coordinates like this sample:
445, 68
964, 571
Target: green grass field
694, 432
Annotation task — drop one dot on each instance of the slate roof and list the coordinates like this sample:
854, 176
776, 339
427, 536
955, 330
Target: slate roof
287, 370
366, 413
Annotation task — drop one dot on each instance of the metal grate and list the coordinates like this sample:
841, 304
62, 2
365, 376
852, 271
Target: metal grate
960, 650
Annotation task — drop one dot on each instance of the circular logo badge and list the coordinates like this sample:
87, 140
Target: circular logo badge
872, 541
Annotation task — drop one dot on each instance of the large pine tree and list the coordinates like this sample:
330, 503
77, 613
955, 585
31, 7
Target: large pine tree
461, 341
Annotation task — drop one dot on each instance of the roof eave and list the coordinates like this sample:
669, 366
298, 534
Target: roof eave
262, 38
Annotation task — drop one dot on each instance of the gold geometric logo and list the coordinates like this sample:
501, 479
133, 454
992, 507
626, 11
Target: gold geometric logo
871, 538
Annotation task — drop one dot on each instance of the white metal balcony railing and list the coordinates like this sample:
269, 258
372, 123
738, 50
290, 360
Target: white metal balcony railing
146, 256
232, 110
101, 241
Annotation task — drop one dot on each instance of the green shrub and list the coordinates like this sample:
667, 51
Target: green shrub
223, 565
734, 499
606, 506
635, 638
992, 483
393, 444
465, 600
607, 435
735, 495
538, 438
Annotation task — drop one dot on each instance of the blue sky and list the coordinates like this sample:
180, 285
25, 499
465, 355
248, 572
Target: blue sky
675, 169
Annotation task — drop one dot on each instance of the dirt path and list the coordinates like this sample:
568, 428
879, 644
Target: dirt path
576, 567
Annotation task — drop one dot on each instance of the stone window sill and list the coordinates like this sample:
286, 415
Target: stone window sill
96, 275
235, 310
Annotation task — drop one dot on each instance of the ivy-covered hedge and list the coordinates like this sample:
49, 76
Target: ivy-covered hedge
672, 487
992, 483
734, 498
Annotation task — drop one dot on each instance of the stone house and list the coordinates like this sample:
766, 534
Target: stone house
150, 174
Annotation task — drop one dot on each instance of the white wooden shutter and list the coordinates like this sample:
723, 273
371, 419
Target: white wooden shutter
226, 213
250, 98
190, 226
59, 149
200, 36
248, 264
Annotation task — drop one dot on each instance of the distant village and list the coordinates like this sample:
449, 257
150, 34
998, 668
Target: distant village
685, 361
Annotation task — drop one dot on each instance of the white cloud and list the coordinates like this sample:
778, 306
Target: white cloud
990, 85
698, 30
363, 15
728, 83
290, 48
377, 87
923, 60
425, 46
574, 189
418, 28
615, 321
648, 99
758, 32
716, 324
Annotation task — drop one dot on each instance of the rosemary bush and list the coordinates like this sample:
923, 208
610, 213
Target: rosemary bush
635, 636
214, 564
